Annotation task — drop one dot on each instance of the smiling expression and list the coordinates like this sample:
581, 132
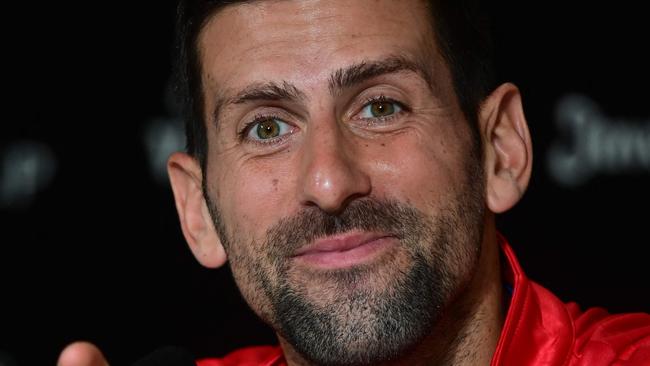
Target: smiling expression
341, 173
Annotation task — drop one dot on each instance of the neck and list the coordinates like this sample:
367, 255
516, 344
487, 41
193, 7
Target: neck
468, 332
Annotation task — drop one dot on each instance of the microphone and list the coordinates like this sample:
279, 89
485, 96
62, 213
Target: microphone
167, 356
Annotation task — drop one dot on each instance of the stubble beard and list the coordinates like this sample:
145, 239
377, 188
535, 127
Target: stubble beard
357, 324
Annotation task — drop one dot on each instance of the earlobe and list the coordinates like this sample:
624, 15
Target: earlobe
196, 223
508, 148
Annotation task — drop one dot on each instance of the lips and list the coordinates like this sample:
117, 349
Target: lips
345, 250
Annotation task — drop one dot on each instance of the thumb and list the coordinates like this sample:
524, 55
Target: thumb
81, 354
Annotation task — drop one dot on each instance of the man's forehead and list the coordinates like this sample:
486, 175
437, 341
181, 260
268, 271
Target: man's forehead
251, 41
315, 9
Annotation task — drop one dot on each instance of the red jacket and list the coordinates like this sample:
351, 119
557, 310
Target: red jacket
539, 330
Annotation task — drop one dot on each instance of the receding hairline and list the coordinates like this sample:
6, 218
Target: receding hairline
427, 51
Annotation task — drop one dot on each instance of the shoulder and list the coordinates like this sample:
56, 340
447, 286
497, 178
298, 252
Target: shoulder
540, 329
573, 337
249, 356
609, 339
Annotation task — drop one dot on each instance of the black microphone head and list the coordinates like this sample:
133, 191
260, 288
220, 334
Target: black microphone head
167, 356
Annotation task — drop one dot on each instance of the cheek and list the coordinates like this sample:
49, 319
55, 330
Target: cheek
252, 199
253, 196
414, 167
253, 279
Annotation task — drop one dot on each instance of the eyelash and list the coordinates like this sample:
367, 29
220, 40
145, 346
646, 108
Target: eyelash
384, 99
260, 118
244, 131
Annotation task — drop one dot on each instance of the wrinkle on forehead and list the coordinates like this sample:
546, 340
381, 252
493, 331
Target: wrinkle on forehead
303, 42
282, 28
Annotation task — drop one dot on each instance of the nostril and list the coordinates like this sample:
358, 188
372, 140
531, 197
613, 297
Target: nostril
336, 204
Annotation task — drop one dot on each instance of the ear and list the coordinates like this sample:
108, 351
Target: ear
196, 222
508, 148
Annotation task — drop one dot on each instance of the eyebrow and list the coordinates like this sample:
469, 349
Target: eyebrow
341, 79
268, 91
361, 72
261, 91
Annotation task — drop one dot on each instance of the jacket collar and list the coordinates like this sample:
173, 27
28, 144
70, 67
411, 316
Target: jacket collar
538, 329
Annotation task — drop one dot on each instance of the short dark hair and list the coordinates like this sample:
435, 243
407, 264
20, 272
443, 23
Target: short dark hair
463, 38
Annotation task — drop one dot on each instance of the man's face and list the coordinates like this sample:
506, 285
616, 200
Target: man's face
341, 173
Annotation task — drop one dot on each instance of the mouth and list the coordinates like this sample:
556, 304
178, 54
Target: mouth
344, 250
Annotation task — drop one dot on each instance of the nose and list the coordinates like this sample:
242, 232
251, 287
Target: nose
331, 169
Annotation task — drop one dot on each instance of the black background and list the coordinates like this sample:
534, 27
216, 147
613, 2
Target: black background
98, 255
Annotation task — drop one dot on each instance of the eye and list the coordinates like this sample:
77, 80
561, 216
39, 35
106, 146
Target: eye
267, 128
380, 108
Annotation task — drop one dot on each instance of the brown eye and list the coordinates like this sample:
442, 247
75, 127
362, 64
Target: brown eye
382, 108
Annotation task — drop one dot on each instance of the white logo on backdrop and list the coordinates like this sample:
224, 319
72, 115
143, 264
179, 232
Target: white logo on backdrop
26, 168
164, 135
589, 144
592, 143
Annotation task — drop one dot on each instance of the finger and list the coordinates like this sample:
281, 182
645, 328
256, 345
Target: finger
82, 354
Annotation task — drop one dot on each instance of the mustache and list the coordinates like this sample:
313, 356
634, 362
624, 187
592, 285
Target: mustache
368, 214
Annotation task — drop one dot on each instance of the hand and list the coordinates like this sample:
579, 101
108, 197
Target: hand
82, 354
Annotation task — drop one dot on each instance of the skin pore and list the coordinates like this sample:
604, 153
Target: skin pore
330, 119
357, 131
